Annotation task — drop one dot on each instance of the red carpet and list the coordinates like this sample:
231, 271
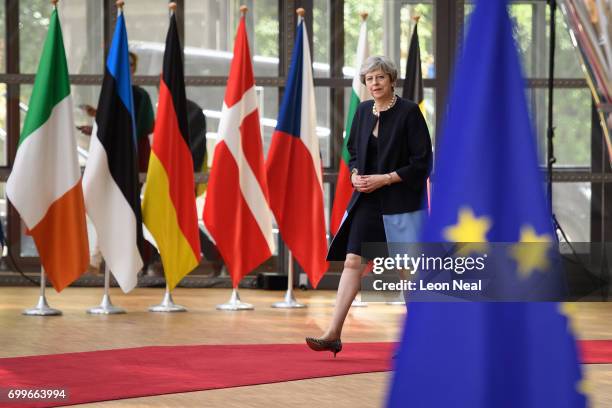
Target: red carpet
127, 373
596, 351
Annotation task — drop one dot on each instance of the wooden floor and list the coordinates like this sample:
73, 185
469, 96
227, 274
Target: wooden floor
77, 331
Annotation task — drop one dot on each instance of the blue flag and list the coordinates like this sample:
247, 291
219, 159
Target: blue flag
488, 188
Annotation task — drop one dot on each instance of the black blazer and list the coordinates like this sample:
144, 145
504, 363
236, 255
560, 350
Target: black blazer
404, 146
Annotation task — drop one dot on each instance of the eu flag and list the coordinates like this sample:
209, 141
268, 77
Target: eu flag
488, 188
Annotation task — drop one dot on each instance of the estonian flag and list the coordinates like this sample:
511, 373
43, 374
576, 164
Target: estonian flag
110, 181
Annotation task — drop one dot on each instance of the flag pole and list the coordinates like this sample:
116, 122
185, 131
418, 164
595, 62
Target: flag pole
42, 307
174, 82
289, 302
167, 305
399, 300
234, 303
106, 306
357, 302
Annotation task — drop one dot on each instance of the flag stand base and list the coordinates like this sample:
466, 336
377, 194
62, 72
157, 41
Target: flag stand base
167, 305
235, 303
106, 306
42, 309
399, 300
357, 302
289, 302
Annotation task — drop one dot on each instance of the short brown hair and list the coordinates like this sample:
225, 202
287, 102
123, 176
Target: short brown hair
378, 62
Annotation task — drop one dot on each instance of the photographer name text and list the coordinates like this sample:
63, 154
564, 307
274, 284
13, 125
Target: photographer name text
407, 285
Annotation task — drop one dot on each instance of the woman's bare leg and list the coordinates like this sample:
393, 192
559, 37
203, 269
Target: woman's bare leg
349, 285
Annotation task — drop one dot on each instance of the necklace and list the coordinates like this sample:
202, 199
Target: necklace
389, 106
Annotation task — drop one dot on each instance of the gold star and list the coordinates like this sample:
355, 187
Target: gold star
530, 252
585, 387
569, 310
469, 229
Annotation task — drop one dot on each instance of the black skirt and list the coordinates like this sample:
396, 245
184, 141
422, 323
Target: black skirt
366, 224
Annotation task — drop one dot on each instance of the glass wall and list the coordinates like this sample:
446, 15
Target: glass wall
82, 30
321, 23
572, 105
208, 28
573, 144
572, 206
3, 126
147, 24
2, 39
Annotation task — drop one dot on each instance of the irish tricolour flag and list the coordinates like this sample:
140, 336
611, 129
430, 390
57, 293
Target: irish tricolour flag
359, 93
45, 184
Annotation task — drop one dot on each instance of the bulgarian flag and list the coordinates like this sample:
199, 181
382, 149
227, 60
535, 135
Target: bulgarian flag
344, 188
169, 207
45, 184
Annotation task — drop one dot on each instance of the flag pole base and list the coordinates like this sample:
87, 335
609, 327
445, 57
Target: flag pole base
235, 303
398, 300
106, 307
42, 309
289, 302
358, 303
167, 305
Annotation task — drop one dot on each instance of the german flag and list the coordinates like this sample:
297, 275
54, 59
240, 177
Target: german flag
168, 207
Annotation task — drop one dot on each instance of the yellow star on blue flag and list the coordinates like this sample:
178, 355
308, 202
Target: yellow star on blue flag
469, 230
531, 252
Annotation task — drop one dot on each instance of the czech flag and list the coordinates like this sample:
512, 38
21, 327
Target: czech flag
294, 166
